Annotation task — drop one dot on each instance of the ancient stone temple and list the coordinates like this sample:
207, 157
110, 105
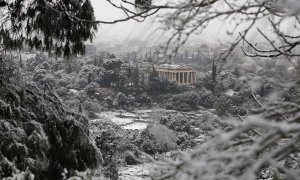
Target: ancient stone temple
183, 75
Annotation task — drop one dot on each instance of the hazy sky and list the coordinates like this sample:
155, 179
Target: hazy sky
120, 31
147, 30
129, 30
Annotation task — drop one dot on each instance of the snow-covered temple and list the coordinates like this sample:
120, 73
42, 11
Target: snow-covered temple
183, 75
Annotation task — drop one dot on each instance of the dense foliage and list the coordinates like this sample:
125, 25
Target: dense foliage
51, 26
38, 132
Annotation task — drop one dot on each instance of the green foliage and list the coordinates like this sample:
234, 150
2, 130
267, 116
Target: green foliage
47, 26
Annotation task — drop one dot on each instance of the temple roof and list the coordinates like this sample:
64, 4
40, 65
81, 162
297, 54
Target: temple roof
172, 67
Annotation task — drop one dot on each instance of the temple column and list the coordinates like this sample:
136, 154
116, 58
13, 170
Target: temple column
193, 77
180, 77
187, 77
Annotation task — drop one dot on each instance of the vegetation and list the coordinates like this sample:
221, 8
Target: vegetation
40, 134
47, 25
46, 104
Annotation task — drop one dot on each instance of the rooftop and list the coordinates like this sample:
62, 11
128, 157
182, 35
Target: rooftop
173, 67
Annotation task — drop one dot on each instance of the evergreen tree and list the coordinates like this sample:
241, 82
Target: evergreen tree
47, 25
214, 71
135, 77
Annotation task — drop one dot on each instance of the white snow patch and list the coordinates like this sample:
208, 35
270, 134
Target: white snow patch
115, 117
73, 91
144, 111
230, 92
136, 125
136, 172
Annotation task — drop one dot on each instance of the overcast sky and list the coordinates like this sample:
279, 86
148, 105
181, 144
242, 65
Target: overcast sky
130, 30
121, 31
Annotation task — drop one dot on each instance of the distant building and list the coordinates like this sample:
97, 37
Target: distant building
90, 50
204, 48
183, 75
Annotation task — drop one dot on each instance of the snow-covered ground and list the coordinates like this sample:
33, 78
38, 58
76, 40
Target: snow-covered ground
116, 117
136, 125
136, 172
140, 119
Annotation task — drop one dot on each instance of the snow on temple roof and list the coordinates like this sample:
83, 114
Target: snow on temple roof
173, 66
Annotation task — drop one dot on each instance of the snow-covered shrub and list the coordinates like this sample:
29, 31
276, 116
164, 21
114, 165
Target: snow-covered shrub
91, 108
114, 144
109, 78
186, 101
143, 100
108, 141
208, 83
227, 80
112, 64
87, 74
91, 89
124, 102
42, 77
222, 105
65, 80
237, 110
206, 98
157, 139
179, 124
62, 91
157, 85
19, 175
183, 129
32, 63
